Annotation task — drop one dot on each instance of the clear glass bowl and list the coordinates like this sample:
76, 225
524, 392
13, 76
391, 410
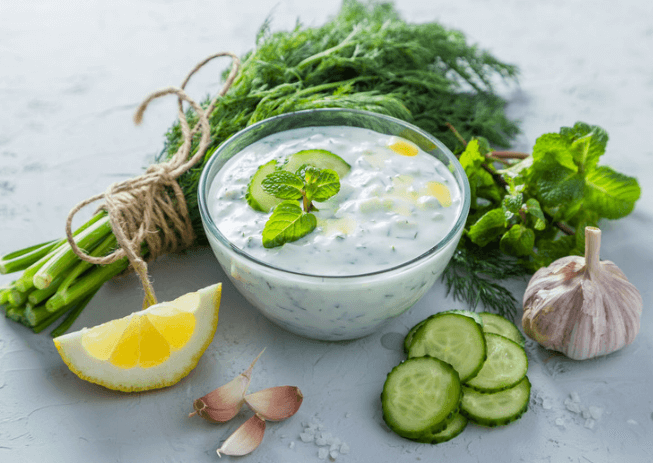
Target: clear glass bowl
331, 308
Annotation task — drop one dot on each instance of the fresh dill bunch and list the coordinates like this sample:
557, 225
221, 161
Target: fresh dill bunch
365, 58
472, 276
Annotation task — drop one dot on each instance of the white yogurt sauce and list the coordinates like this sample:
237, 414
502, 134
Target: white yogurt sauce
391, 207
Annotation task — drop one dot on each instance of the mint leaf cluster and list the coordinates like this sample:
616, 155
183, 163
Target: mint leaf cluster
532, 209
288, 221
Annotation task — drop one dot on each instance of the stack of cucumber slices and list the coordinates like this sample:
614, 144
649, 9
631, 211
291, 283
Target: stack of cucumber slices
462, 366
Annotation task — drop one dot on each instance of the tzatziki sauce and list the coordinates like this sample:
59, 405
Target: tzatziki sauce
394, 204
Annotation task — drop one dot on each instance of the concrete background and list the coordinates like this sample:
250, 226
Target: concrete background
71, 75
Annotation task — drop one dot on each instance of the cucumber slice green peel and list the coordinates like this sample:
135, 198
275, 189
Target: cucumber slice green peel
408, 340
453, 338
322, 159
262, 201
454, 428
493, 323
259, 199
505, 366
421, 396
496, 408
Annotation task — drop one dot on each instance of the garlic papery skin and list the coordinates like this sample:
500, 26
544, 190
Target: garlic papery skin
245, 439
223, 403
582, 307
276, 403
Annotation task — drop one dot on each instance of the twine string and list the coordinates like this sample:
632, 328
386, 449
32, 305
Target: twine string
150, 210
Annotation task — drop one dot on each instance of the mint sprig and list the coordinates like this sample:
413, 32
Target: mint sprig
288, 221
562, 183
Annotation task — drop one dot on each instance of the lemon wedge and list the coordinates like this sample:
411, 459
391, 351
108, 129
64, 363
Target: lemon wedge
149, 349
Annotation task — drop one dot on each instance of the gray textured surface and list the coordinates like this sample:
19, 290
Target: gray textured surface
71, 74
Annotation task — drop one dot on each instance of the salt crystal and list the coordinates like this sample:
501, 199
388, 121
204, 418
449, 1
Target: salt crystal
347, 415
585, 413
333, 454
335, 444
560, 422
320, 427
344, 448
589, 423
575, 397
320, 440
306, 437
596, 412
546, 404
573, 407
633, 422
291, 445
322, 453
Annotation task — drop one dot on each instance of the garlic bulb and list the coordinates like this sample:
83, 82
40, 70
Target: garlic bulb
582, 307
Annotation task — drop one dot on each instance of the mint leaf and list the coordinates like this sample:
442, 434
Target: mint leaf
511, 205
286, 224
481, 183
554, 147
532, 207
327, 185
283, 184
557, 188
587, 143
308, 173
488, 228
611, 194
518, 241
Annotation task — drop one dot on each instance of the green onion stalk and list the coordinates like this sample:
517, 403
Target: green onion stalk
366, 57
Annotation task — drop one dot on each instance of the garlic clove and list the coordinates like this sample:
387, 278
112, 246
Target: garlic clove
276, 403
245, 439
582, 307
223, 403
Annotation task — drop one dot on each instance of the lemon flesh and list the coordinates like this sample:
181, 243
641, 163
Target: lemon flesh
149, 349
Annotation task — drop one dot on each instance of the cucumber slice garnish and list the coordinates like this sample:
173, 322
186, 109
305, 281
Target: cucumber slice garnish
454, 338
256, 196
505, 366
420, 395
493, 323
262, 201
322, 159
455, 427
496, 408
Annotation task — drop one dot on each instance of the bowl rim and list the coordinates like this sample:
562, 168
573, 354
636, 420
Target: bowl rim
210, 226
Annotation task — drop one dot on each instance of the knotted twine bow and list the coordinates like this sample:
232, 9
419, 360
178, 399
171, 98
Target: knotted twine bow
151, 208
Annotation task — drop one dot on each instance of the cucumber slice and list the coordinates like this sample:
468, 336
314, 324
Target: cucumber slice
454, 338
256, 196
505, 366
322, 159
496, 408
455, 427
468, 313
493, 323
409, 337
420, 395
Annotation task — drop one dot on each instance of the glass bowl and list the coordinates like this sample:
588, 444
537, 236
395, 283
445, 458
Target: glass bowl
324, 307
